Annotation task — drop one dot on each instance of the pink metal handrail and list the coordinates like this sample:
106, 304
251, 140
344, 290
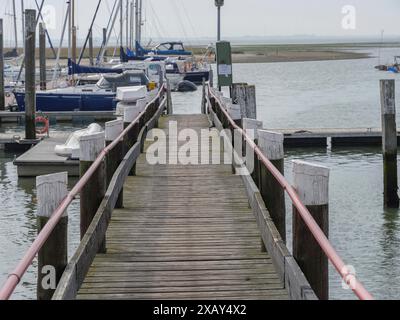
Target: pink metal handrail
16, 276
316, 231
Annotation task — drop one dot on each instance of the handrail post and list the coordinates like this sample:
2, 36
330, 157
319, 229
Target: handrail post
115, 156
93, 191
53, 256
271, 144
203, 97
389, 141
312, 184
130, 114
169, 99
251, 127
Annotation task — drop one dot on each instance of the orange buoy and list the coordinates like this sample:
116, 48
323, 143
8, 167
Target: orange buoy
45, 125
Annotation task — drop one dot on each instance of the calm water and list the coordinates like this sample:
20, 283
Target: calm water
333, 94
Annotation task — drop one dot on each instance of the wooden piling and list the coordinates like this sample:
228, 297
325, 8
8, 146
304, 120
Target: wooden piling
251, 127
93, 192
251, 102
42, 56
203, 97
104, 41
245, 96
271, 144
312, 185
91, 55
130, 114
2, 93
239, 97
116, 155
30, 70
389, 142
169, 98
53, 257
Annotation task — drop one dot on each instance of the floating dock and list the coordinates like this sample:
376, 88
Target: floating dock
42, 160
54, 117
334, 137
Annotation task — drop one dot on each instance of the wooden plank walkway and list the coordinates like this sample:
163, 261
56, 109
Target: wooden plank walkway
186, 232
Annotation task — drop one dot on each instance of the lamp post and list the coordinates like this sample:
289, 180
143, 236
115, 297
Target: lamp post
219, 4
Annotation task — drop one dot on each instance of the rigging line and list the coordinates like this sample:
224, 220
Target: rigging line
187, 18
155, 23
179, 19
47, 33
90, 30
23, 61
166, 33
108, 26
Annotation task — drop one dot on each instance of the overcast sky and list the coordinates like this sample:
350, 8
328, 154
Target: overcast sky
259, 18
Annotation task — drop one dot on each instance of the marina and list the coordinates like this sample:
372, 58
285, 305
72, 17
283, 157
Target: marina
148, 171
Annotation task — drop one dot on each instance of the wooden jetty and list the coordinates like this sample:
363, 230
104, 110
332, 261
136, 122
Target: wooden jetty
181, 230
173, 240
184, 232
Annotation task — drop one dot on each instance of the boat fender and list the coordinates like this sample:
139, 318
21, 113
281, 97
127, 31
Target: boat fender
186, 86
45, 125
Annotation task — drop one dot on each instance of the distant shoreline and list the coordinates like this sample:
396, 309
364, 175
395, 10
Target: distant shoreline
272, 53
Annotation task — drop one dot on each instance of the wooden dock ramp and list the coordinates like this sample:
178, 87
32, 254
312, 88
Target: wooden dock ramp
186, 232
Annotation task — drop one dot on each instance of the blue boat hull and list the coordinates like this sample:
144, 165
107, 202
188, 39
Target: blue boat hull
69, 102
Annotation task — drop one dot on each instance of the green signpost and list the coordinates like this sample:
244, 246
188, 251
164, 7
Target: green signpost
224, 64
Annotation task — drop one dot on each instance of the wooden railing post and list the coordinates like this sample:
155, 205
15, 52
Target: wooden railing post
245, 96
203, 98
130, 114
169, 98
389, 139
53, 257
312, 185
271, 144
251, 104
2, 94
116, 155
251, 127
93, 192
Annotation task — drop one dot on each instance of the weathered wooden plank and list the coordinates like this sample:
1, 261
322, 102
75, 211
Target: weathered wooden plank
186, 232
278, 294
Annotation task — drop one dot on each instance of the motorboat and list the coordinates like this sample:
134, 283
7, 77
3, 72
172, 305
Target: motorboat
89, 97
190, 69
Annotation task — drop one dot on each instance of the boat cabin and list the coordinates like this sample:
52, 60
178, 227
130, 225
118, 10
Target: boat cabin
129, 78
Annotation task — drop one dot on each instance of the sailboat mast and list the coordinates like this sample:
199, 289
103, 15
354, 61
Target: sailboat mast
136, 22
15, 26
73, 31
127, 23
69, 30
121, 34
131, 24
23, 21
140, 20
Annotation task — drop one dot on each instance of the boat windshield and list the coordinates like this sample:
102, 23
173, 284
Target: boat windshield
103, 84
124, 80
